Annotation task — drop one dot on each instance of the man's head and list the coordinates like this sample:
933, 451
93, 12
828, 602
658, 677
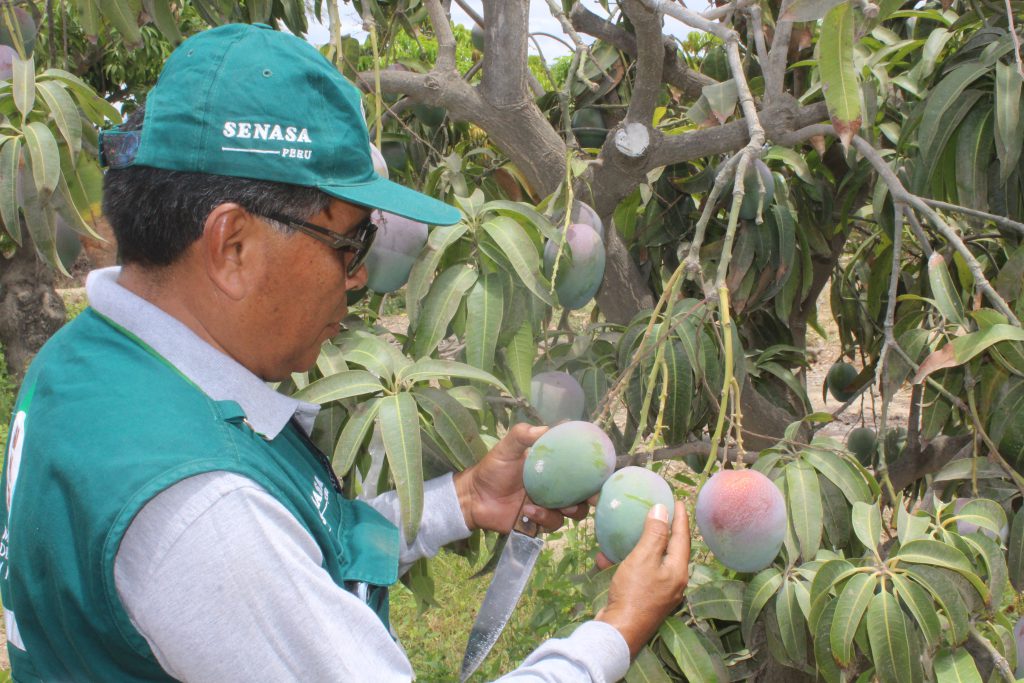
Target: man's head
248, 135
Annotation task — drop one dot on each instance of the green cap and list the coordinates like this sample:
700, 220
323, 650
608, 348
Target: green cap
248, 101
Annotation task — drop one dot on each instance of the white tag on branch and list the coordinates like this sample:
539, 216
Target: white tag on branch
632, 139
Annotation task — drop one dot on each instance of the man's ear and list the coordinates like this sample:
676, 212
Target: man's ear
231, 237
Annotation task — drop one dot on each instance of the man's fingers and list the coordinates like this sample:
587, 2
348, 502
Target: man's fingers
679, 543
654, 538
520, 437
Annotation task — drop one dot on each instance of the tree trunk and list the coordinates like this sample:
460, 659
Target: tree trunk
30, 308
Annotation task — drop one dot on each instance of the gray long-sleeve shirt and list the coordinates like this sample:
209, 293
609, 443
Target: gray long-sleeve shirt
226, 585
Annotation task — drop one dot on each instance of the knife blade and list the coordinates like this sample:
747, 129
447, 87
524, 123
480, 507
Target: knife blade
510, 578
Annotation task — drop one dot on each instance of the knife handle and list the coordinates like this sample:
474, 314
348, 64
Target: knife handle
524, 526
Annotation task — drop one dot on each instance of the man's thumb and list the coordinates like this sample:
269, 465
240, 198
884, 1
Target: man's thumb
654, 539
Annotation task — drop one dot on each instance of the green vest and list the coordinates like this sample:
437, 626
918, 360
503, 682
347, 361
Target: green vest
102, 424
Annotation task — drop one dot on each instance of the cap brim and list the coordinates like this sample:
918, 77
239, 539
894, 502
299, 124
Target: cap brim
385, 195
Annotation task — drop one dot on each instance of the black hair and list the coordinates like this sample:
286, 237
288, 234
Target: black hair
157, 214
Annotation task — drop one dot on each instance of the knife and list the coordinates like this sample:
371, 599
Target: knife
510, 577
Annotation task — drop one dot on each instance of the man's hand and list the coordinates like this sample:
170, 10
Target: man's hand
491, 492
650, 582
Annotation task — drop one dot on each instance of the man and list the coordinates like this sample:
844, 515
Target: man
167, 515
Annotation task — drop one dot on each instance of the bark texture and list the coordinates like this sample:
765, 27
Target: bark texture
31, 311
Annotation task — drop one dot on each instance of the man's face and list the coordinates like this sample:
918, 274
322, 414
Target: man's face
303, 297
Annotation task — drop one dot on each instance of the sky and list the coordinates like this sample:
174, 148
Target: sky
540, 20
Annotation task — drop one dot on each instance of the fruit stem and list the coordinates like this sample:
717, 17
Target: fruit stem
723, 307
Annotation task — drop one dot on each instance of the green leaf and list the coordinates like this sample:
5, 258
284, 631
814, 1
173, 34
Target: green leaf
838, 71
956, 666
119, 13
1009, 127
400, 428
836, 514
23, 84
440, 306
353, 435
519, 359
947, 596
973, 154
921, 606
422, 272
453, 424
840, 472
828, 575
688, 652
331, 360
792, 624
64, 112
45, 158
946, 298
522, 212
963, 348
804, 504
984, 513
39, 220
484, 310
867, 524
433, 368
1015, 556
160, 12
373, 353
647, 668
342, 385
995, 562
68, 210
850, 607
938, 554
717, 600
520, 253
942, 97
760, 589
10, 156
823, 659
893, 646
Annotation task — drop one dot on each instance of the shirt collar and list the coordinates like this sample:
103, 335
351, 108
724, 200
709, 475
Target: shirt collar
218, 375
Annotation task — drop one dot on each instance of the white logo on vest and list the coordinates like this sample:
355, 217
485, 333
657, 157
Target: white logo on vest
321, 496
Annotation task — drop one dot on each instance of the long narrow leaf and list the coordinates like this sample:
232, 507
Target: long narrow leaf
850, 608
353, 435
892, 643
440, 306
520, 253
400, 428
342, 385
119, 13
688, 652
10, 156
423, 269
804, 503
64, 112
956, 666
760, 589
453, 424
23, 84
433, 368
45, 158
484, 311
838, 72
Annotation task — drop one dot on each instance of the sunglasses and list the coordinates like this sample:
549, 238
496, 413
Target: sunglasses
359, 245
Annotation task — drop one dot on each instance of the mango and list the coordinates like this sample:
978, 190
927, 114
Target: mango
568, 464
557, 397
584, 213
399, 241
862, 442
625, 500
840, 376
742, 517
7, 55
580, 276
588, 127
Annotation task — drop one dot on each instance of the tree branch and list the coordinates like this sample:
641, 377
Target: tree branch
442, 25
1001, 221
649, 62
775, 70
504, 83
674, 72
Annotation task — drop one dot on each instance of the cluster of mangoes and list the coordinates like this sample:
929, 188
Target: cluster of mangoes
574, 460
